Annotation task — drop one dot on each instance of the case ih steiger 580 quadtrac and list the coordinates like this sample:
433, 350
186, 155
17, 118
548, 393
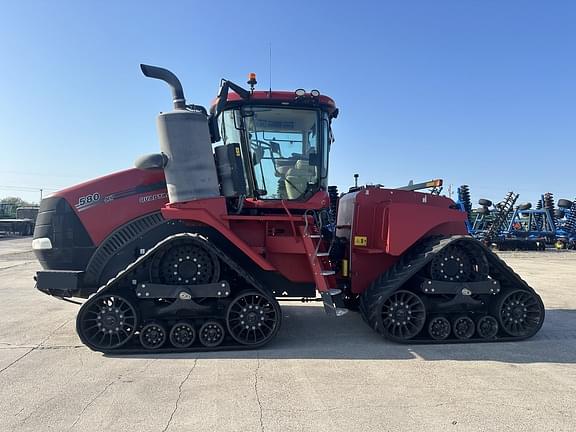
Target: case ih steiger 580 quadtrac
192, 249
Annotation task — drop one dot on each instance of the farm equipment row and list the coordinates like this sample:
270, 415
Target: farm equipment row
511, 226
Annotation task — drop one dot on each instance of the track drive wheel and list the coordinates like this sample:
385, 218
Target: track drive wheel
253, 318
211, 334
402, 316
106, 323
187, 263
459, 263
521, 313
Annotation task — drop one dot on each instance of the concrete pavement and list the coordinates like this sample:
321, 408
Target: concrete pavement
319, 374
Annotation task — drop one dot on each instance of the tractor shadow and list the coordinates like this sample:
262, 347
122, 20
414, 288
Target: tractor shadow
307, 333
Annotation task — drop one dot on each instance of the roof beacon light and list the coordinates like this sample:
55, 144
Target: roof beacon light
315, 93
300, 92
252, 80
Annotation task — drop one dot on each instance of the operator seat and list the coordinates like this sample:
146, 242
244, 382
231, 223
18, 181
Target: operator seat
298, 177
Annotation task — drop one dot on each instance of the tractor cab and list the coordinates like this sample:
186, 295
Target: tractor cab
279, 141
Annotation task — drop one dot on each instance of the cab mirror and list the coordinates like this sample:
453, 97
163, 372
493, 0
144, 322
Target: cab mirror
313, 159
213, 129
257, 155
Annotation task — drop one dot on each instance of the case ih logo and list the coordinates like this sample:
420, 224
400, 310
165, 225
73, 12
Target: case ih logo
153, 197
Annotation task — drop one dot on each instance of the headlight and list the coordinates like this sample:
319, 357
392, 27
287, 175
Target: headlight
41, 243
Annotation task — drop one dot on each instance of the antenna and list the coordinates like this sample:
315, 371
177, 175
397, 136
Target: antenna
270, 67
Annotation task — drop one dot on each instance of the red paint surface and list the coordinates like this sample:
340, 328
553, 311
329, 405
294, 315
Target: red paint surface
391, 220
104, 217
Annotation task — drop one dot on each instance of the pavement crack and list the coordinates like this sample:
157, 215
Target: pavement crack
179, 395
36, 409
257, 394
39, 346
17, 360
15, 265
91, 402
47, 338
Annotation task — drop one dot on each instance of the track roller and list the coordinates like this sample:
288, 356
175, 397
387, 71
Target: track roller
252, 318
463, 327
153, 336
439, 328
211, 334
107, 323
521, 313
487, 327
182, 335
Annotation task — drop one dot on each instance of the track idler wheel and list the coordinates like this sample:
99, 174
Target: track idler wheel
439, 328
253, 318
487, 327
403, 316
153, 336
463, 327
521, 313
182, 335
211, 334
107, 323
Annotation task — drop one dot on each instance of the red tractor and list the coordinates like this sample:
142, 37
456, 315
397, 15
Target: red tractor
193, 248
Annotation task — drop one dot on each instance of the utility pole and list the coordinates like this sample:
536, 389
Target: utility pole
40, 195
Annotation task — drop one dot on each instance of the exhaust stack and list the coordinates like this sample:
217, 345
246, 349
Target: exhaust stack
186, 157
169, 78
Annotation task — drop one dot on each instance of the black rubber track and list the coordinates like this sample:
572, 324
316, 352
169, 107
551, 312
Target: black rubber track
413, 262
133, 346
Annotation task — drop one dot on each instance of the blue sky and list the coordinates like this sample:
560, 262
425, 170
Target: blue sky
476, 92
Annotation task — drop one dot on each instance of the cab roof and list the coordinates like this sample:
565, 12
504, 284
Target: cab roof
281, 98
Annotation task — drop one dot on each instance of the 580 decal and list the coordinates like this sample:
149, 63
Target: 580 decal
86, 200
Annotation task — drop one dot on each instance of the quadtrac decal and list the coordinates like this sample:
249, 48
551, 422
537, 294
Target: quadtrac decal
154, 197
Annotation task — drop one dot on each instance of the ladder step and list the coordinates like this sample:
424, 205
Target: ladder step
322, 254
327, 272
315, 236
